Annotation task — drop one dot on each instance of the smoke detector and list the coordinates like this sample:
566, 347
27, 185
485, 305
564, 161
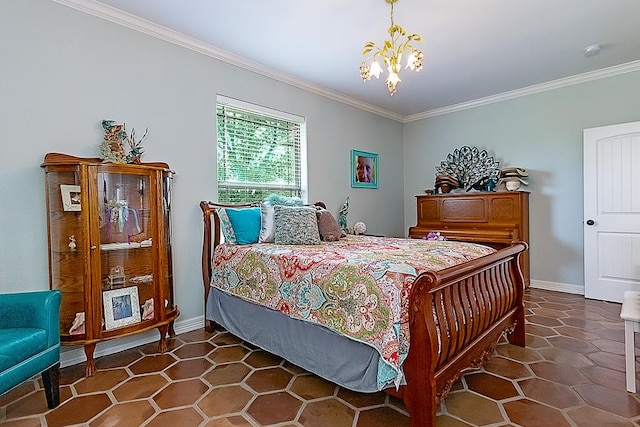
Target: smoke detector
592, 50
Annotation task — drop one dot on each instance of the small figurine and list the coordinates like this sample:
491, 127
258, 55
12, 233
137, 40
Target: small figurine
147, 309
72, 242
434, 236
77, 327
135, 147
359, 228
112, 147
342, 216
116, 278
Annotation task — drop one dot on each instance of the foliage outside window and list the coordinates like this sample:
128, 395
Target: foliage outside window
260, 152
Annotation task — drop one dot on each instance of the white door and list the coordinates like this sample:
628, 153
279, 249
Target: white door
611, 211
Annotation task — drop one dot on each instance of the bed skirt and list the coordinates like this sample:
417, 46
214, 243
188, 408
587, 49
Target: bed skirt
350, 364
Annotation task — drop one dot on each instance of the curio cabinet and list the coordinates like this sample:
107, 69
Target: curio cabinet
109, 231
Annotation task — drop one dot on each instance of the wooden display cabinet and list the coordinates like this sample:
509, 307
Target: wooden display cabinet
493, 218
110, 249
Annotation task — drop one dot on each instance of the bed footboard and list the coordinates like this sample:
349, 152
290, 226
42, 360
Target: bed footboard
457, 317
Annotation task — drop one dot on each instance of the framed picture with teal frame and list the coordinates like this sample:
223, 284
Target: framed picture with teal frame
364, 169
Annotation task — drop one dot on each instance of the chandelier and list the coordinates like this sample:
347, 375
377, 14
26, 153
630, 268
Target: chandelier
391, 54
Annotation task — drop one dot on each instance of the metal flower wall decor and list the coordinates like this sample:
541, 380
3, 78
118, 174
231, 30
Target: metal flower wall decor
471, 168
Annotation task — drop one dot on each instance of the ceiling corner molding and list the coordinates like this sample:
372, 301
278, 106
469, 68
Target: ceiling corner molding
125, 19
530, 90
133, 22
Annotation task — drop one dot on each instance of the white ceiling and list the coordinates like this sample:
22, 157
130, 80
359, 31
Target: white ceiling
473, 48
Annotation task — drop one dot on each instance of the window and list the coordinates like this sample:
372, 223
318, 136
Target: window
260, 151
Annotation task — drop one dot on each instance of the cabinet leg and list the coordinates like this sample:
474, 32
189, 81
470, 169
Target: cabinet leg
162, 344
172, 331
90, 367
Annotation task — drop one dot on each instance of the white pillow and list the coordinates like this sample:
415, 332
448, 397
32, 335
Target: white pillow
267, 224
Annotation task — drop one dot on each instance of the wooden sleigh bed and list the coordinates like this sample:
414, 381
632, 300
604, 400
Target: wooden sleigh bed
456, 316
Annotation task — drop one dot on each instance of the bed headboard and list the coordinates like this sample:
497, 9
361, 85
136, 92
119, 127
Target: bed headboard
212, 233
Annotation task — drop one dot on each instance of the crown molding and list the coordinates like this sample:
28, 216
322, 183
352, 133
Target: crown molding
529, 90
125, 19
133, 22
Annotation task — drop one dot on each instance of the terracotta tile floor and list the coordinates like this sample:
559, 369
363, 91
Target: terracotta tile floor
570, 374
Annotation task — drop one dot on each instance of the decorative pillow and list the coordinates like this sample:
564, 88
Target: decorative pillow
296, 225
245, 223
278, 200
267, 225
227, 228
328, 226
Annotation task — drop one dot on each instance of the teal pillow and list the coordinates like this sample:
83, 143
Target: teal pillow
245, 223
278, 200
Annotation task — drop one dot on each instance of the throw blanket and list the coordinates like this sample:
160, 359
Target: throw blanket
359, 286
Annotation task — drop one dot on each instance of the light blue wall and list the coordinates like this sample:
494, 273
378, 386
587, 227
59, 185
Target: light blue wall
543, 134
63, 71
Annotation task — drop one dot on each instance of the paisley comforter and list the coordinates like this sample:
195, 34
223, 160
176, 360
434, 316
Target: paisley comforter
359, 286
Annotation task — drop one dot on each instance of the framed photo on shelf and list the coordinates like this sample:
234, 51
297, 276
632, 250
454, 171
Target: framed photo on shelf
71, 198
121, 307
364, 169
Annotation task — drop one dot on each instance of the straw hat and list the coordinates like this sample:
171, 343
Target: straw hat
513, 177
512, 183
446, 179
513, 171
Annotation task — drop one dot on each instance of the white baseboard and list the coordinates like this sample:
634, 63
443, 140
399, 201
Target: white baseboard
558, 287
76, 355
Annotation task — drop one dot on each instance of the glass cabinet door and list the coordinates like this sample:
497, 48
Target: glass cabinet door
68, 247
167, 179
126, 229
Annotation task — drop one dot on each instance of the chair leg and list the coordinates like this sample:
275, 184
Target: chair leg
630, 355
51, 381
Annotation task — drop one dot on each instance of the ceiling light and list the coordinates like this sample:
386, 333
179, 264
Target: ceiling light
592, 50
391, 55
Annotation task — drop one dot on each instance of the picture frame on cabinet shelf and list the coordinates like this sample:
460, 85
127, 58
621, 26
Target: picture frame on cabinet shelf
70, 198
121, 307
364, 169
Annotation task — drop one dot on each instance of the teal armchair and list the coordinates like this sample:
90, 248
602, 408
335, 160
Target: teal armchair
30, 341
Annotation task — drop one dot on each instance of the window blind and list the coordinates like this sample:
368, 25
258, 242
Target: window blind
260, 151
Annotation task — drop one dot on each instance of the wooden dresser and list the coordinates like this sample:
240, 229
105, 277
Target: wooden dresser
495, 219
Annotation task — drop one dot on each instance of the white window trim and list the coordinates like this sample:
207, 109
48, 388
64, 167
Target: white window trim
301, 120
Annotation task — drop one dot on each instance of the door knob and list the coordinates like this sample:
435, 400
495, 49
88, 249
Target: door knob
590, 222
